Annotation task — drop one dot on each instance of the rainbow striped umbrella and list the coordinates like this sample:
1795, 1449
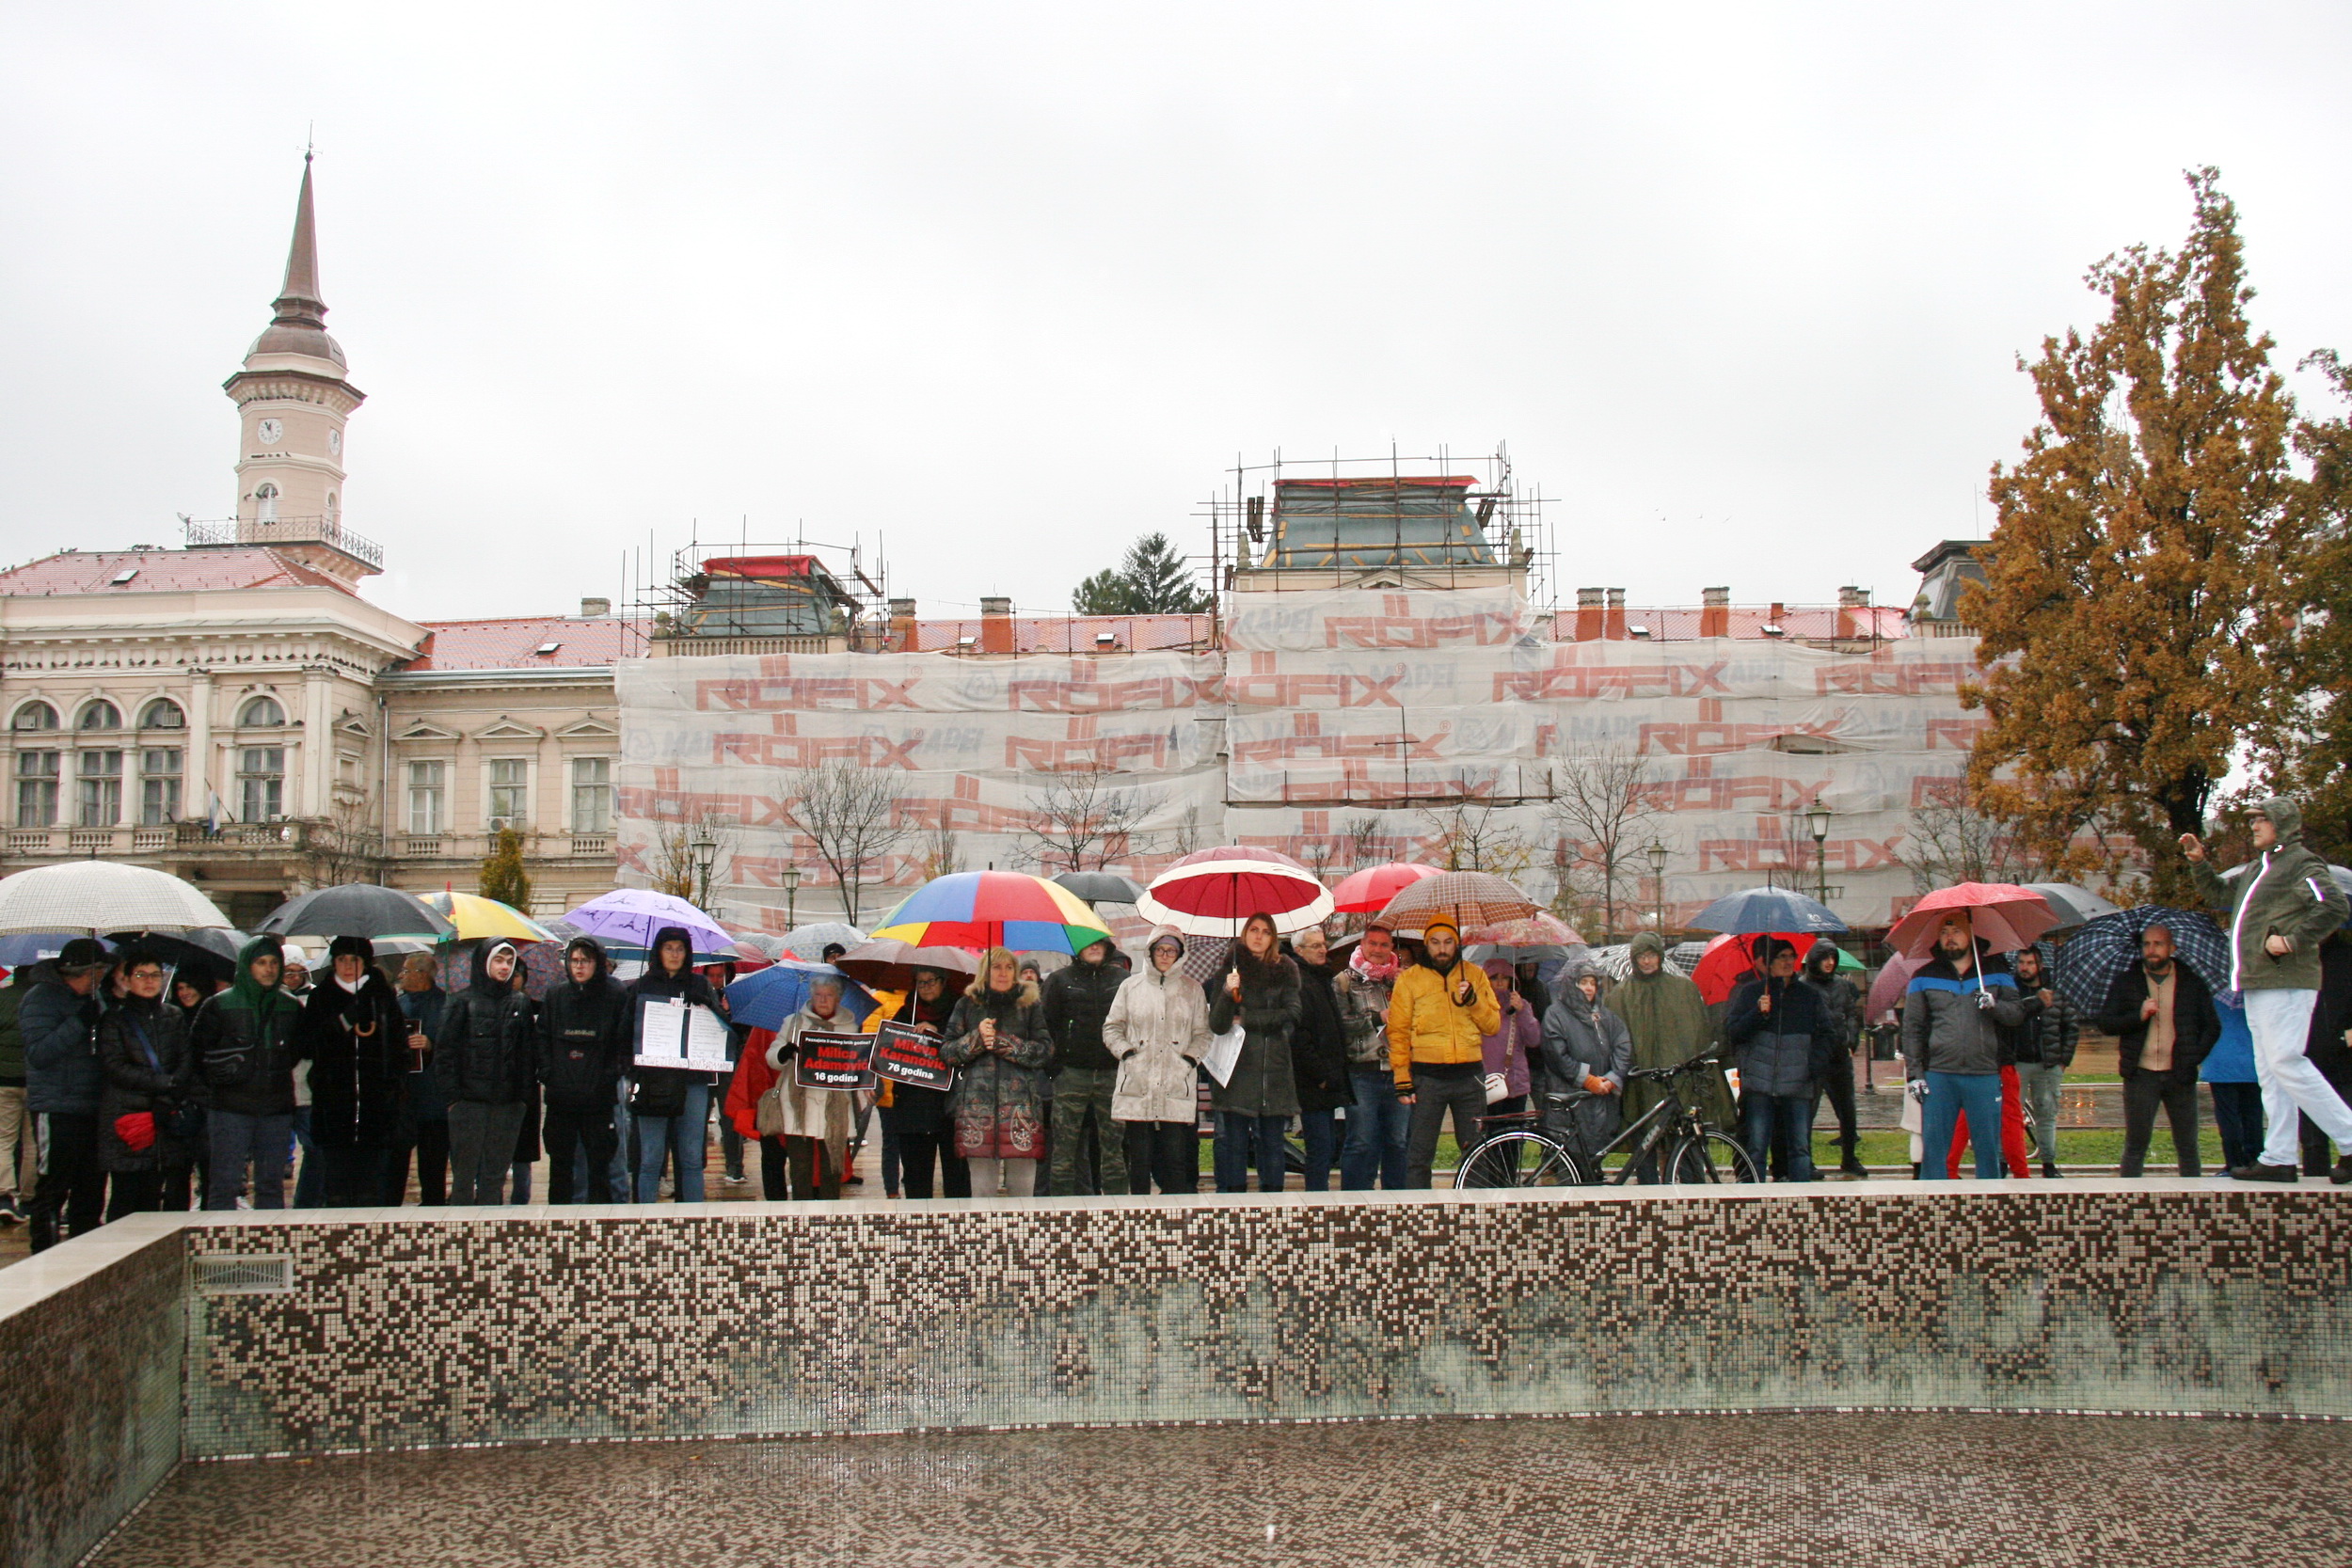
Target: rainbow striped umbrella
994, 909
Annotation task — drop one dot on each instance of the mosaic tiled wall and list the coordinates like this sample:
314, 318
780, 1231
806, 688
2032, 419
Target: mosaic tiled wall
90, 1404
741, 1320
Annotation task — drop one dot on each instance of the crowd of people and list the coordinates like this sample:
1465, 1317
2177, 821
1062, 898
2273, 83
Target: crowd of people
146, 1087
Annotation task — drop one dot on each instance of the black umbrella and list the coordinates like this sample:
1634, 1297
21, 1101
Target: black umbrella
2090, 960
1101, 887
212, 951
358, 909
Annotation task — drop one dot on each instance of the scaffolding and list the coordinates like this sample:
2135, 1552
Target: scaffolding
743, 595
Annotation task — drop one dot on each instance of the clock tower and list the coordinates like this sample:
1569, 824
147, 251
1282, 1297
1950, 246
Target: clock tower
292, 398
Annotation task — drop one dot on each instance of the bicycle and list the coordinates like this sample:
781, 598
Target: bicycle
1668, 1136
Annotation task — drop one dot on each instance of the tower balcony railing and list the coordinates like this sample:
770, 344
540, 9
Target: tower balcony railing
287, 531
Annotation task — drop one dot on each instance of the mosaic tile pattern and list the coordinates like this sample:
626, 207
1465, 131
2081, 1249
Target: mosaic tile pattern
1881, 1491
90, 1402
759, 1320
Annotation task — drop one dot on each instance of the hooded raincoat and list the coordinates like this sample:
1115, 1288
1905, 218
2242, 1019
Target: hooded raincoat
485, 1050
1584, 1039
2286, 892
1158, 1028
1667, 1019
245, 1040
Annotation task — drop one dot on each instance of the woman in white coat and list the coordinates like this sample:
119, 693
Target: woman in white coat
1158, 1028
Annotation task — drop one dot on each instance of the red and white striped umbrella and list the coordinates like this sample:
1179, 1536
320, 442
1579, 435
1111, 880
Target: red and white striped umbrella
1210, 894
1368, 890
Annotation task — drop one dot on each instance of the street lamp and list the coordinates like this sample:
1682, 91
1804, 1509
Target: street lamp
1657, 854
705, 850
1818, 821
791, 895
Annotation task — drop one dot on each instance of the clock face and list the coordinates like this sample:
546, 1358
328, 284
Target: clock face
269, 431
334, 443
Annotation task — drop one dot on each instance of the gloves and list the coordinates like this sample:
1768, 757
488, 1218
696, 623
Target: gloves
1984, 1001
1917, 1090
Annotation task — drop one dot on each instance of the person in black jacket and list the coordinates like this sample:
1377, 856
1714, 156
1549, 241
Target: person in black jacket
672, 1105
2162, 1016
484, 1055
58, 1020
146, 1112
423, 1127
587, 1029
917, 1117
1319, 1057
356, 1038
1773, 1023
245, 1045
1832, 1055
1086, 1142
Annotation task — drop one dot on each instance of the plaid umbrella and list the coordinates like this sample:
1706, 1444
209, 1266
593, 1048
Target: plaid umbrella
1531, 939
1471, 898
2107, 946
87, 897
809, 941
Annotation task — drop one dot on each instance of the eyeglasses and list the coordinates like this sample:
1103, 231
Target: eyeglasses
143, 974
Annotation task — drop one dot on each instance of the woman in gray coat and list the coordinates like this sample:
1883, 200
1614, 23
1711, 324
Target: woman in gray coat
1587, 1046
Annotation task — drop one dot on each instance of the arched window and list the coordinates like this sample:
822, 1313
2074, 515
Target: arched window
163, 714
330, 504
266, 496
35, 716
100, 713
261, 710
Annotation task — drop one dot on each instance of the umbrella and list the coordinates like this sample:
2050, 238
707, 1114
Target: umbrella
2007, 916
91, 897
2073, 906
2105, 948
1212, 893
1730, 958
1101, 887
810, 941
212, 950
1528, 939
476, 917
381, 914
891, 964
1369, 891
764, 1000
1893, 984
1759, 910
541, 962
994, 909
1472, 899
30, 947
632, 914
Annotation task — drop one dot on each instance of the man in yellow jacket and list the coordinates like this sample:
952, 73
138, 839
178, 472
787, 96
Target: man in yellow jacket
1440, 1011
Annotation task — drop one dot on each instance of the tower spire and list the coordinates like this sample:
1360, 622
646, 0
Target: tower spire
298, 302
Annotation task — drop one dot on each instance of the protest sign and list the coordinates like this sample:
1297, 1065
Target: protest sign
829, 1061
906, 1056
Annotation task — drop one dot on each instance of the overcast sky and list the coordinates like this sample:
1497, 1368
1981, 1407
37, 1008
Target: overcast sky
1006, 285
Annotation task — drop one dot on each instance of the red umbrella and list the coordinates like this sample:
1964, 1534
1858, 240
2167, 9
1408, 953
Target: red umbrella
1894, 982
1210, 894
2007, 916
1728, 958
1368, 892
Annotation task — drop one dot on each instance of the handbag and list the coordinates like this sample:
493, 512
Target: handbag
174, 1119
1498, 1088
767, 1116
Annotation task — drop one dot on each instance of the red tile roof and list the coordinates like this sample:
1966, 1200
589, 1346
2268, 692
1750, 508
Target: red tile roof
1682, 623
514, 644
164, 572
1058, 633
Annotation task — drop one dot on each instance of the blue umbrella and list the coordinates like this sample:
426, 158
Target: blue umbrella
2090, 959
30, 947
764, 1000
1767, 909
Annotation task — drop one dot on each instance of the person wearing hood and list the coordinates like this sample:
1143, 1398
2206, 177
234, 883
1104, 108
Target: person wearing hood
1078, 998
586, 1030
246, 1042
356, 1038
1509, 1054
1833, 1059
1440, 1011
1377, 1119
2282, 906
1668, 1021
147, 1115
1583, 1046
672, 1105
1777, 1022
916, 1118
1260, 990
1158, 1029
1955, 1012
483, 1056
423, 1127
998, 1044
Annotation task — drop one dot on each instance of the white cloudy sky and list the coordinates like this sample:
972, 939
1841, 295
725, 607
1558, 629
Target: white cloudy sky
1740, 285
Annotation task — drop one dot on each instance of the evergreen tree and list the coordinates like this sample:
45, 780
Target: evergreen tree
1152, 580
502, 873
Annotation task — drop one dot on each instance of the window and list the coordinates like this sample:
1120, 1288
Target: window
100, 715
159, 785
261, 711
36, 788
163, 714
510, 790
262, 782
265, 495
35, 716
425, 784
592, 795
100, 774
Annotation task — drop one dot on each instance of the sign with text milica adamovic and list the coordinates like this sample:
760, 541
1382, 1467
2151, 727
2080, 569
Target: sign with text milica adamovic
835, 1061
906, 1056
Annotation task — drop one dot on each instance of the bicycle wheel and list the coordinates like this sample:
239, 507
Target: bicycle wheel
1713, 1159
1520, 1159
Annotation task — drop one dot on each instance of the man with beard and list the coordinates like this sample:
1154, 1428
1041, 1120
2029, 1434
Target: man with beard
1439, 1019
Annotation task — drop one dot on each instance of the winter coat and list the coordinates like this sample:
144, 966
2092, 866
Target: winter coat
1158, 1028
1364, 1014
661, 1090
821, 1114
911, 1107
1078, 998
149, 1069
1319, 1044
1776, 1047
1262, 1083
246, 1041
2050, 1033
1669, 1023
422, 1101
1581, 1038
2196, 1024
587, 1032
357, 1043
1944, 1028
1511, 1050
2285, 891
998, 1104
12, 1034
1841, 1002
1427, 1025
61, 1031
486, 1051
2331, 1014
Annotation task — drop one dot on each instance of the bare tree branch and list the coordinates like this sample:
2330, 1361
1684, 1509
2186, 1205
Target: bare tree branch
1081, 821
851, 815
1605, 806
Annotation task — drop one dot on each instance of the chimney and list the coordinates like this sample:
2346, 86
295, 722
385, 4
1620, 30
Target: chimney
996, 624
1615, 626
902, 624
1588, 613
591, 608
1851, 597
1715, 612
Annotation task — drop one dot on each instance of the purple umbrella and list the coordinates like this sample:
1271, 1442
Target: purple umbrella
632, 915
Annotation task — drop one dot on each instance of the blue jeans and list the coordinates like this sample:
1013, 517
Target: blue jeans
1376, 1135
1949, 1094
2237, 1112
310, 1176
686, 1134
234, 1141
1320, 1132
1238, 1138
1785, 1119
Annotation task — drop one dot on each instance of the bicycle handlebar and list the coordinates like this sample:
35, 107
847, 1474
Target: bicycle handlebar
1696, 1064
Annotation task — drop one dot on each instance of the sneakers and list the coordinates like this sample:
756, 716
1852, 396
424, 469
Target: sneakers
2342, 1172
2263, 1171
735, 1178
9, 1212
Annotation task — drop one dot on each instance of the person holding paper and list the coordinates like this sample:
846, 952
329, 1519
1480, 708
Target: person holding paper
672, 1104
1158, 1029
1261, 991
998, 1041
917, 1118
485, 1055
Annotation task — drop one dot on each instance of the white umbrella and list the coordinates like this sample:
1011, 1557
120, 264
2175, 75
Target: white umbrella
102, 895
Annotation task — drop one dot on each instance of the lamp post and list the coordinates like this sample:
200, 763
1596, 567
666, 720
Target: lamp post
1657, 854
1816, 820
705, 850
791, 897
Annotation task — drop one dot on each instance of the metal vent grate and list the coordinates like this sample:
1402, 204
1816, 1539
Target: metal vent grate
232, 1273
